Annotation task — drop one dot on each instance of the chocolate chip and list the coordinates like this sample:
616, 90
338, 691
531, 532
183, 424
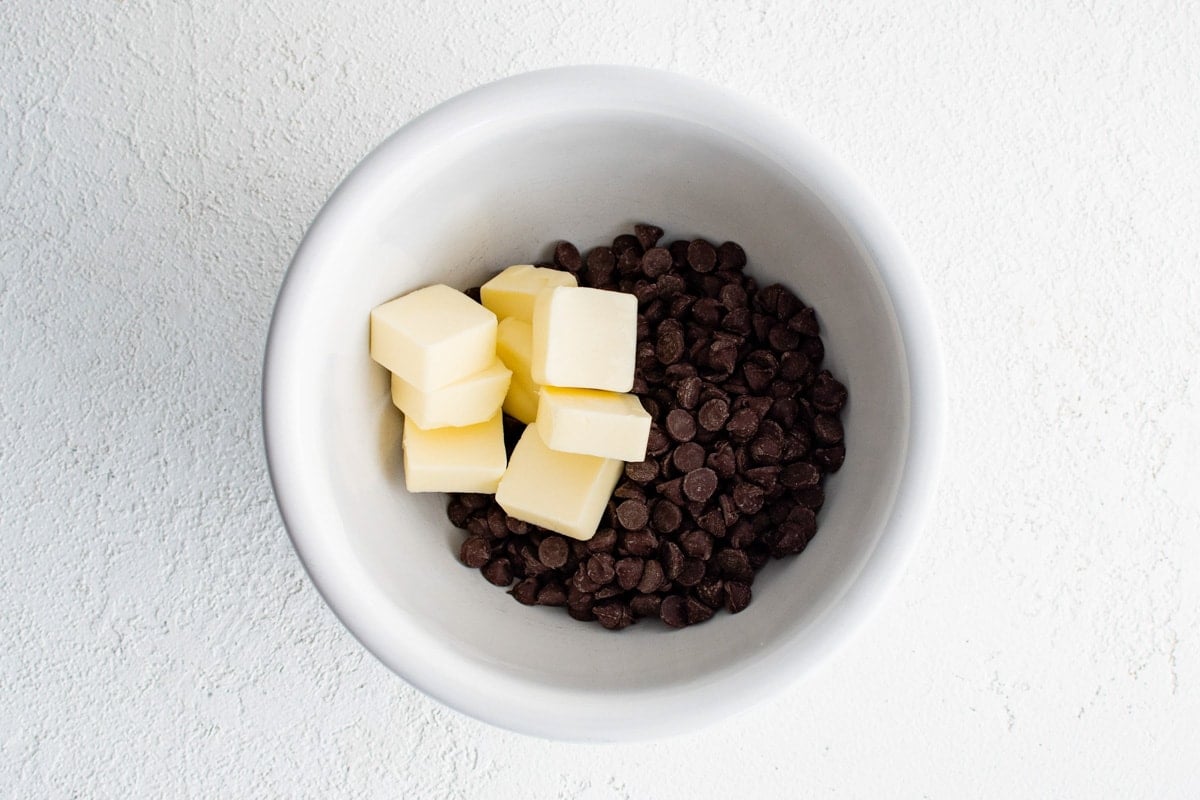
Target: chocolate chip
566, 256
653, 577
687, 391
666, 517
672, 560
711, 592
673, 611
722, 356
702, 256
729, 511
760, 369
766, 450
628, 490
730, 255
830, 458
741, 534
733, 297
629, 264
681, 426
604, 541
670, 285
804, 322
812, 497
646, 293
697, 612
827, 428
645, 605
655, 310
639, 543
553, 551
795, 445
707, 312
647, 235
734, 565
748, 498
607, 591
737, 596
601, 262
743, 424
657, 442
669, 346
526, 592
793, 366
633, 514
679, 251
552, 594
613, 615
496, 519
767, 298
785, 411
688, 456
475, 552
629, 572
713, 414
696, 544
626, 242
699, 484
458, 512
737, 321
813, 350
642, 471
581, 582
583, 612
691, 572
499, 571
713, 522
656, 262
600, 568
790, 538
828, 395
722, 461
782, 338
672, 490
529, 562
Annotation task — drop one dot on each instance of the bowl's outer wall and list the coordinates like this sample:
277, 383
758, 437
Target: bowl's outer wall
495, 177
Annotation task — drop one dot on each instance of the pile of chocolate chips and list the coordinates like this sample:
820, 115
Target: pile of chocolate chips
745, 426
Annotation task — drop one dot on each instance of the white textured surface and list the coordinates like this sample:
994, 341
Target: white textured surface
160, 165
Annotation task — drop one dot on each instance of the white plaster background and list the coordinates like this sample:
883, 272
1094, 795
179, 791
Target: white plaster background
159, 164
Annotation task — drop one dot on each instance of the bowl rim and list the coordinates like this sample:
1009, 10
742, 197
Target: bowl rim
664, 712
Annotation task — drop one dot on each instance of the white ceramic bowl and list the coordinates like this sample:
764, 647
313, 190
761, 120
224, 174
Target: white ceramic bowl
494, 177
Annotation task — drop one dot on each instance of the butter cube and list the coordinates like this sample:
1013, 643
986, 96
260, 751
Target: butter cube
472, 400
593, 422
467, 459
563, 492
514, 345
433, 337
584, 338
512, 292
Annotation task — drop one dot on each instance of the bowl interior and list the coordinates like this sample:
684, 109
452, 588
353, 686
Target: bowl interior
502, 192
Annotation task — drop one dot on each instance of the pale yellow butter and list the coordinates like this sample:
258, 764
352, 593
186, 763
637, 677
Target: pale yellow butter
584, 338
433, 337
593, 422
474, 399
514, 343
467, 459
512, 292
563, 492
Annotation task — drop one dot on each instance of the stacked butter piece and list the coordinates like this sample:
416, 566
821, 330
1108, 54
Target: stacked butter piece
545, 351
